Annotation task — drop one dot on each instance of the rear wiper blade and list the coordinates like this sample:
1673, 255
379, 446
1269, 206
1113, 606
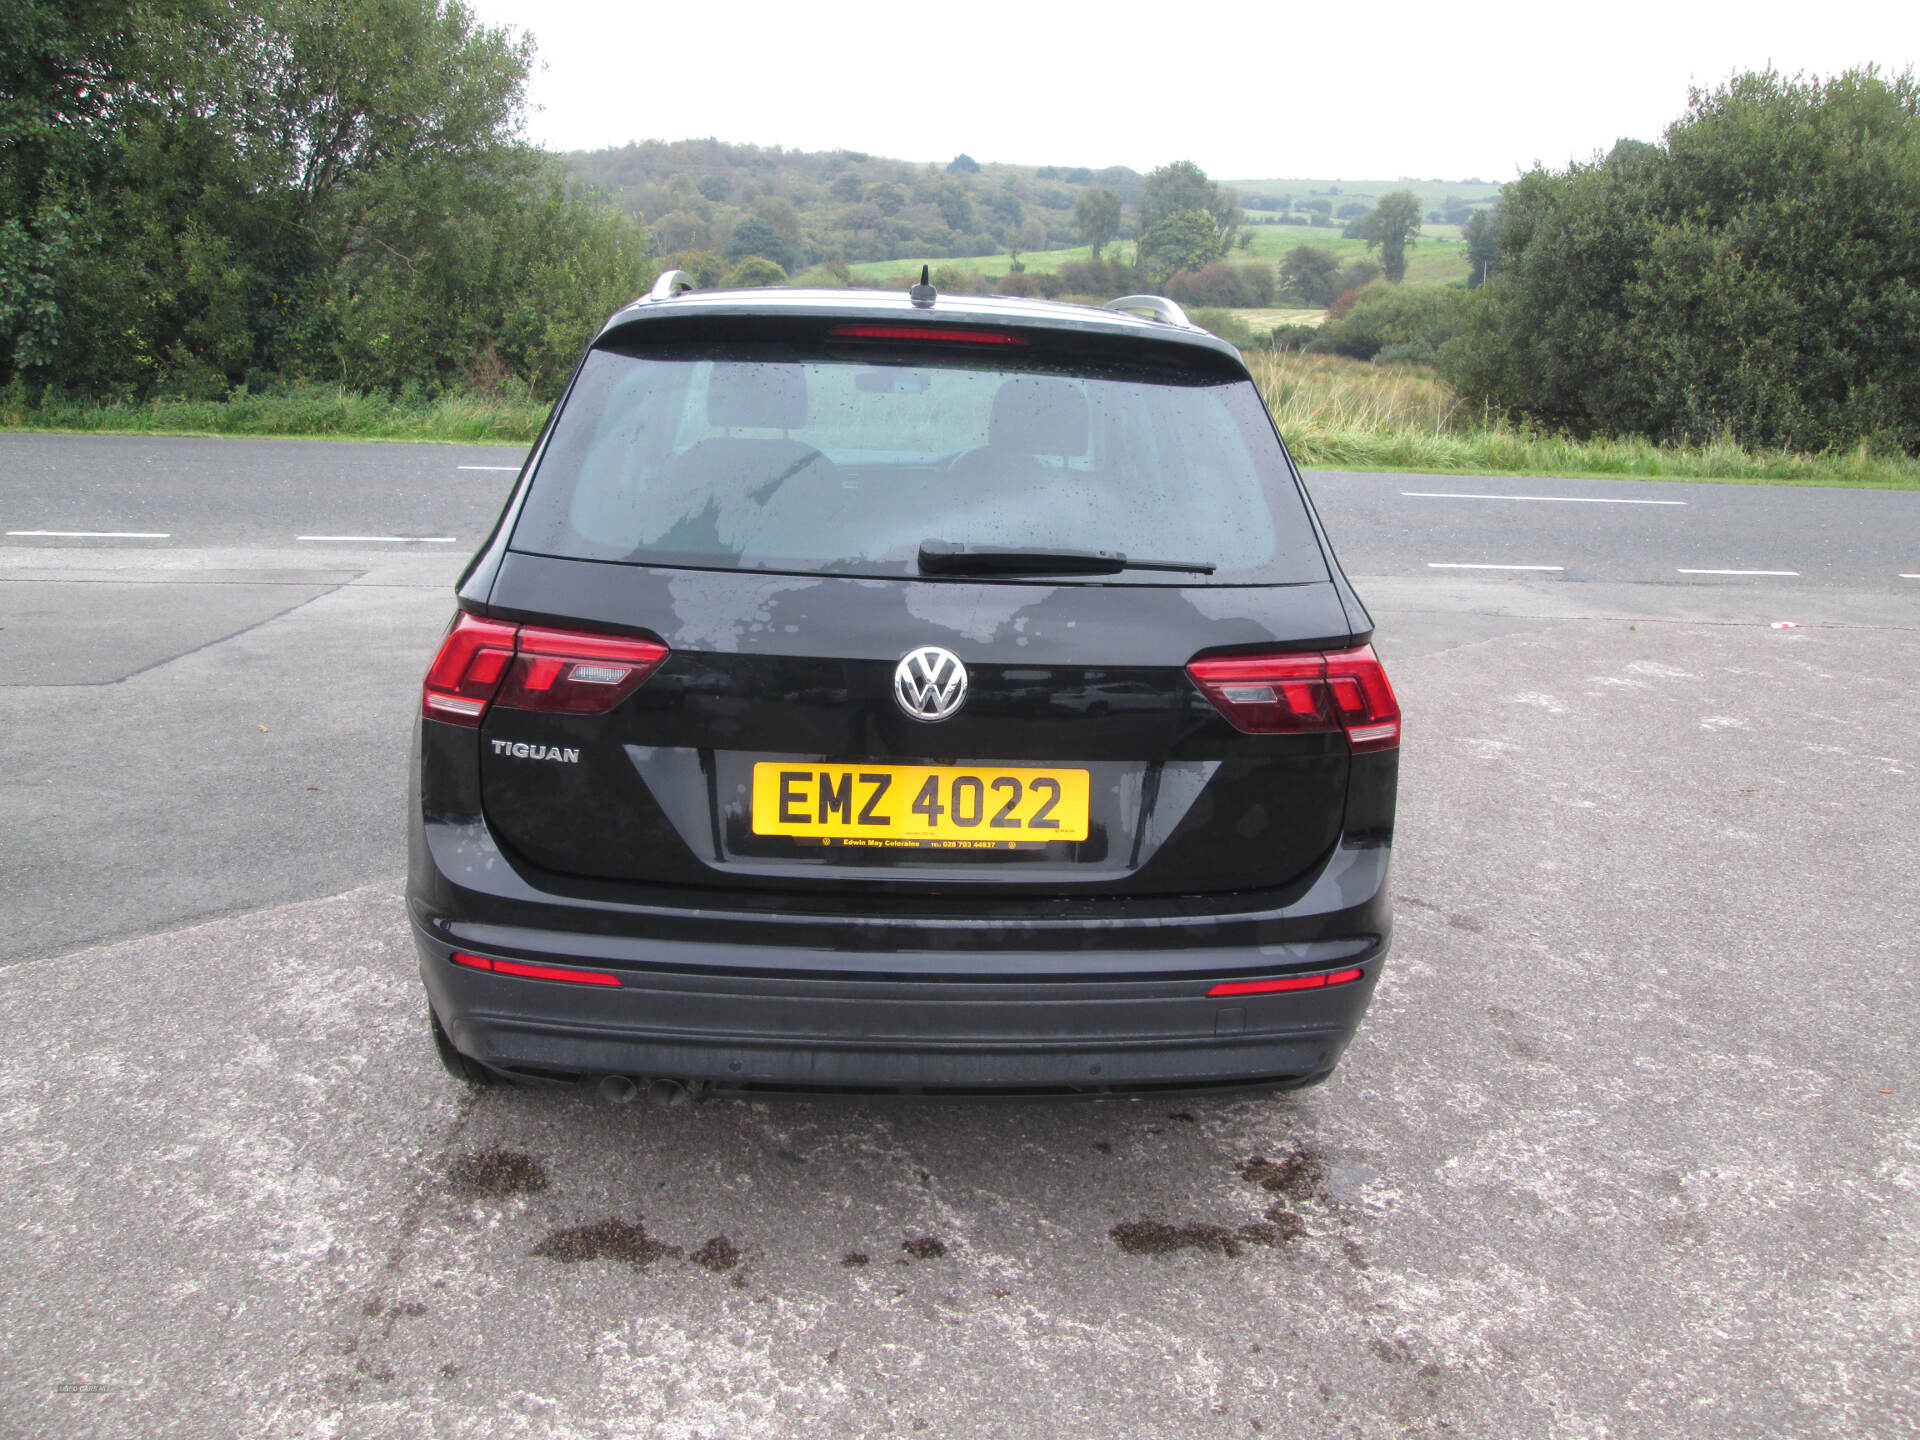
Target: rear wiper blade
943, 557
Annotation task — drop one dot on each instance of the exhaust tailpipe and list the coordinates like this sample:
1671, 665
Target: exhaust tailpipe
662, 1093
619, 1090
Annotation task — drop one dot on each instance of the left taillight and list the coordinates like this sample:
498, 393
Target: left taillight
1294, 693
528, 667
465, 674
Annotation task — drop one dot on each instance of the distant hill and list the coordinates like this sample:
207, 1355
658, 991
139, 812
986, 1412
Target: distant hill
821, 207
841, 204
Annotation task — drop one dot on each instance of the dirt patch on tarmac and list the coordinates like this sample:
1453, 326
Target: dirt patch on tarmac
1299, 1175
718, 1255
495, 1174
609, 1239
1155, 1237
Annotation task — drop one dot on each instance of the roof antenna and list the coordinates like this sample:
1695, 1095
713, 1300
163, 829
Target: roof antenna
922, 294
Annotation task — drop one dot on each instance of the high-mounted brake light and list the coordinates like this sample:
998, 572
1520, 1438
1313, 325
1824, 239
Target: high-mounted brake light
1286, 982
530, 667
534, 972
925, 334
1294, 693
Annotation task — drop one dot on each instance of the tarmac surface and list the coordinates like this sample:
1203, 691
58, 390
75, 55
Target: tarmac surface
1626, 1147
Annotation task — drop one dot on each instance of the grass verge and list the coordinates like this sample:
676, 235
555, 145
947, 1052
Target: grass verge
312, 411
1336, 414
1348, 415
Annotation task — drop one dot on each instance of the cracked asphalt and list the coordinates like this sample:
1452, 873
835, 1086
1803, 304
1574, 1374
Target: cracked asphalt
1626, 1147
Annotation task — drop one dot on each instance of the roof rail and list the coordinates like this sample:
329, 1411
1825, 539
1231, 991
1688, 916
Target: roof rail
1154, 307
674, 282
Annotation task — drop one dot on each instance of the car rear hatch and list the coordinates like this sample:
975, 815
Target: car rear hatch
750, 568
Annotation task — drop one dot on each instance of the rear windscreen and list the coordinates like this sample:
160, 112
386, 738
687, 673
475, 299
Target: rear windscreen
821, 463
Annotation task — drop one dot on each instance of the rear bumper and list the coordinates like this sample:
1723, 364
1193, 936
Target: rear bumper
703, 1014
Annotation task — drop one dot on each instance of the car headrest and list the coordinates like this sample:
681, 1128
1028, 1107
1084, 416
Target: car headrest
1039, 415
757, 397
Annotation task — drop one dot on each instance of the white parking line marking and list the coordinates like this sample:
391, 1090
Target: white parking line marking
383, 539
95, 534
1738, 572
1559, 499
509, 468
1456, 565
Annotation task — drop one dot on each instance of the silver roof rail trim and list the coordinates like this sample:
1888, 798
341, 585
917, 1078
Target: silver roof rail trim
1156, 307
674, 282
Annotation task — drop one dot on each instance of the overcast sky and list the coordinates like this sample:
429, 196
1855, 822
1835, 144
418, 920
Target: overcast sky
1445, 89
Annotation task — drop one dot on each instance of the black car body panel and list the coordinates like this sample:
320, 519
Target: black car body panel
626, 841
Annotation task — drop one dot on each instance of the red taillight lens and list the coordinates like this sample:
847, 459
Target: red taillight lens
1298, 693
467, 671
534, 972
925, 334
527, 667
1286, 982
558, 670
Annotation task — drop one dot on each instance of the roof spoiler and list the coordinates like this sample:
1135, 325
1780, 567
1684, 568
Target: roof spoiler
1155, 307
674, 282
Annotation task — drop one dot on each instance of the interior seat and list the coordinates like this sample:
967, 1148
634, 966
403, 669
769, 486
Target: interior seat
1005, 492
716, 496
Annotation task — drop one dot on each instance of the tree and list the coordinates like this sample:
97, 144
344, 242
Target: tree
1751, 276
1482, 234
753, 271
754, 236
1311, 275
955, 205
963, 164
1390, 227
199, 193
1183, 185
887, 197
681, 231
1397, 323
1184, 240
1096, 218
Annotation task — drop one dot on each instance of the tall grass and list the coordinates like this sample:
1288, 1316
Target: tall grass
1340, 414
308, 410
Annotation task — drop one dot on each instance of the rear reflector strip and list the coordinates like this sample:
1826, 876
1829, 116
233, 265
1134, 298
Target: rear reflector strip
534, 972
1286, 982
925, 334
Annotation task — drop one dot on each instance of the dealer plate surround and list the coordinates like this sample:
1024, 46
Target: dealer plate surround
965, 806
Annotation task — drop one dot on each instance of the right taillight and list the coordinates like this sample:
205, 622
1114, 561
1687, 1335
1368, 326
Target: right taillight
528, 667
1297, 693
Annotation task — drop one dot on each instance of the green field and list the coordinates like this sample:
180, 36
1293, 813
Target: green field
1438, 257
1433, 194
1265, 320
1040, 262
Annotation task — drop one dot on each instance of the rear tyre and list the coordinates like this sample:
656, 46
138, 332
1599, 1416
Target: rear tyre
461, 1067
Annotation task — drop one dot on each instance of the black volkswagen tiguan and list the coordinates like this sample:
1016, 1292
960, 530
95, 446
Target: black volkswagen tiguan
904, 692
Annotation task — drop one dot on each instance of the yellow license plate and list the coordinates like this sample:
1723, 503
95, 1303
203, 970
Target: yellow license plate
963, 807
